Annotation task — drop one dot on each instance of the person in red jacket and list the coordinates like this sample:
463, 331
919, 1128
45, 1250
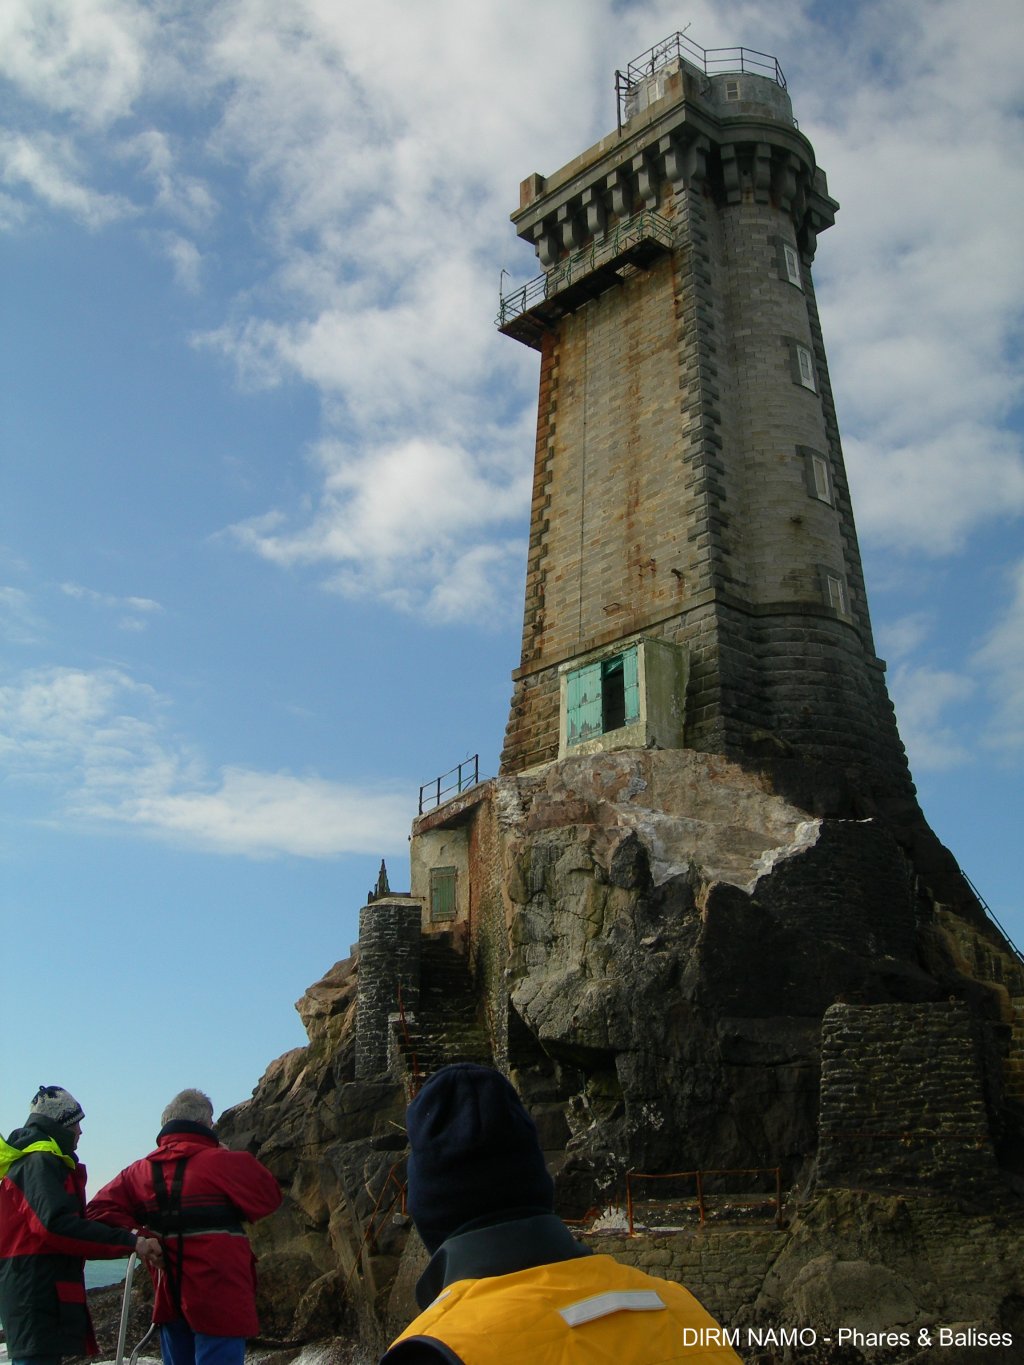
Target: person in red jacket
45, 1237
196, 1195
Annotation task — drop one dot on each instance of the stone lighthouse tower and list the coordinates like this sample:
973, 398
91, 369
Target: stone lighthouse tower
698, 917
694, 578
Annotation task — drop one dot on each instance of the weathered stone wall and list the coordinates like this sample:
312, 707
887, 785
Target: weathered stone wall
826, 699
896, 1263
488, 942
901, 1099
672, 494
389, 955
723, 1267
856, 895
777, 532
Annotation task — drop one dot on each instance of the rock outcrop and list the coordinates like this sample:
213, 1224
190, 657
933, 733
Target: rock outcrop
683, 969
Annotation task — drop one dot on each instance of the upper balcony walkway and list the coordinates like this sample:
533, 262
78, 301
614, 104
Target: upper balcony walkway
526, 312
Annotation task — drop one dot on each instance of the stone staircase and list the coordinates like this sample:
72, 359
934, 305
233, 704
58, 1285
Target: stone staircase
986, 962
1014, 1065
446, 1027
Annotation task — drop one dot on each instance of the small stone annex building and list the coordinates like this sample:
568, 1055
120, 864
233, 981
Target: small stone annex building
699, 917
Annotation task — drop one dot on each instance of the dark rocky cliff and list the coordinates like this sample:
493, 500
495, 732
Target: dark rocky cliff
682, 970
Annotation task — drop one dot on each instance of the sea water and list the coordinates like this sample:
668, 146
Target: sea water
100, 1273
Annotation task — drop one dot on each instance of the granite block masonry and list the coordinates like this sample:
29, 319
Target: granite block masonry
689, 483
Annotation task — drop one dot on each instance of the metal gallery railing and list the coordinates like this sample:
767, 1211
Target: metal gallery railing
712, 61
458, 779
645, 226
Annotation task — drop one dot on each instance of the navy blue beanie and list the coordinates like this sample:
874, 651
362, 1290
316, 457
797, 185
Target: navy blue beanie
474, 1151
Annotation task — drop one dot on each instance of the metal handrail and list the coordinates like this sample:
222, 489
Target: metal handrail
466, 774
417, 1079
699, 1177
712, 61
992, 916
640, 227
370, 1231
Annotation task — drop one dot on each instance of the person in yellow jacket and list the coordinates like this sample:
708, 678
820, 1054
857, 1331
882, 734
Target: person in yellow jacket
507, 1281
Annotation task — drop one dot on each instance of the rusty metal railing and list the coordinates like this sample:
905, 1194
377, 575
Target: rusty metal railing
702, 1195
372, 1228
417, 1079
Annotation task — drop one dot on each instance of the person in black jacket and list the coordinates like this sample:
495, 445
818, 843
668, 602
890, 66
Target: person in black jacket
45, 1238
507, 1281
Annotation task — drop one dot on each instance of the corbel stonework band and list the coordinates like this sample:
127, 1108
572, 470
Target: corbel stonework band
687, 153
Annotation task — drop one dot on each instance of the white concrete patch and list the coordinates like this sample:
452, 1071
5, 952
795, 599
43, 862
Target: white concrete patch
611, 1220
807, 833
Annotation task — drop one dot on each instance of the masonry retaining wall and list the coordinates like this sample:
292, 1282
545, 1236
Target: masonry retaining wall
389, 960
902, 1101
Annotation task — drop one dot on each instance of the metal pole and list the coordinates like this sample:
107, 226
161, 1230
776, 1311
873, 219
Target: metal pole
778, 1196
125, 1307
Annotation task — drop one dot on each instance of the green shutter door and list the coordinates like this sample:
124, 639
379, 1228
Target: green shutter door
442, 894
631, 686
583, 704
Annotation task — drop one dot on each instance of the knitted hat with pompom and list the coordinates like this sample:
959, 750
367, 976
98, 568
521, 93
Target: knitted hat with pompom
53, 1102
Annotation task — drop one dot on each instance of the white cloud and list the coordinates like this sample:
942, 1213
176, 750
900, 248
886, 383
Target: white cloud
13, 212
100, 743
179, 194
386, 206
396, 521
923, 696
900, 638
52, 716
478, 584
271, 813
137, 611
47, 166
19, 623
921, 316
1001, 658
377, 178
81, 57
929, 495
186, 260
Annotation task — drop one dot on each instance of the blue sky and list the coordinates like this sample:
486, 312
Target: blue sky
266, 465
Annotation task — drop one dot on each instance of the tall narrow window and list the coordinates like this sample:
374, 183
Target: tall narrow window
822, 483
792, 264
787, 261
818, 475
805, 363
442, 894
837, 594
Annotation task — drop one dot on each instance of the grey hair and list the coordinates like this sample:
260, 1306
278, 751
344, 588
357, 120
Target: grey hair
190, 1105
